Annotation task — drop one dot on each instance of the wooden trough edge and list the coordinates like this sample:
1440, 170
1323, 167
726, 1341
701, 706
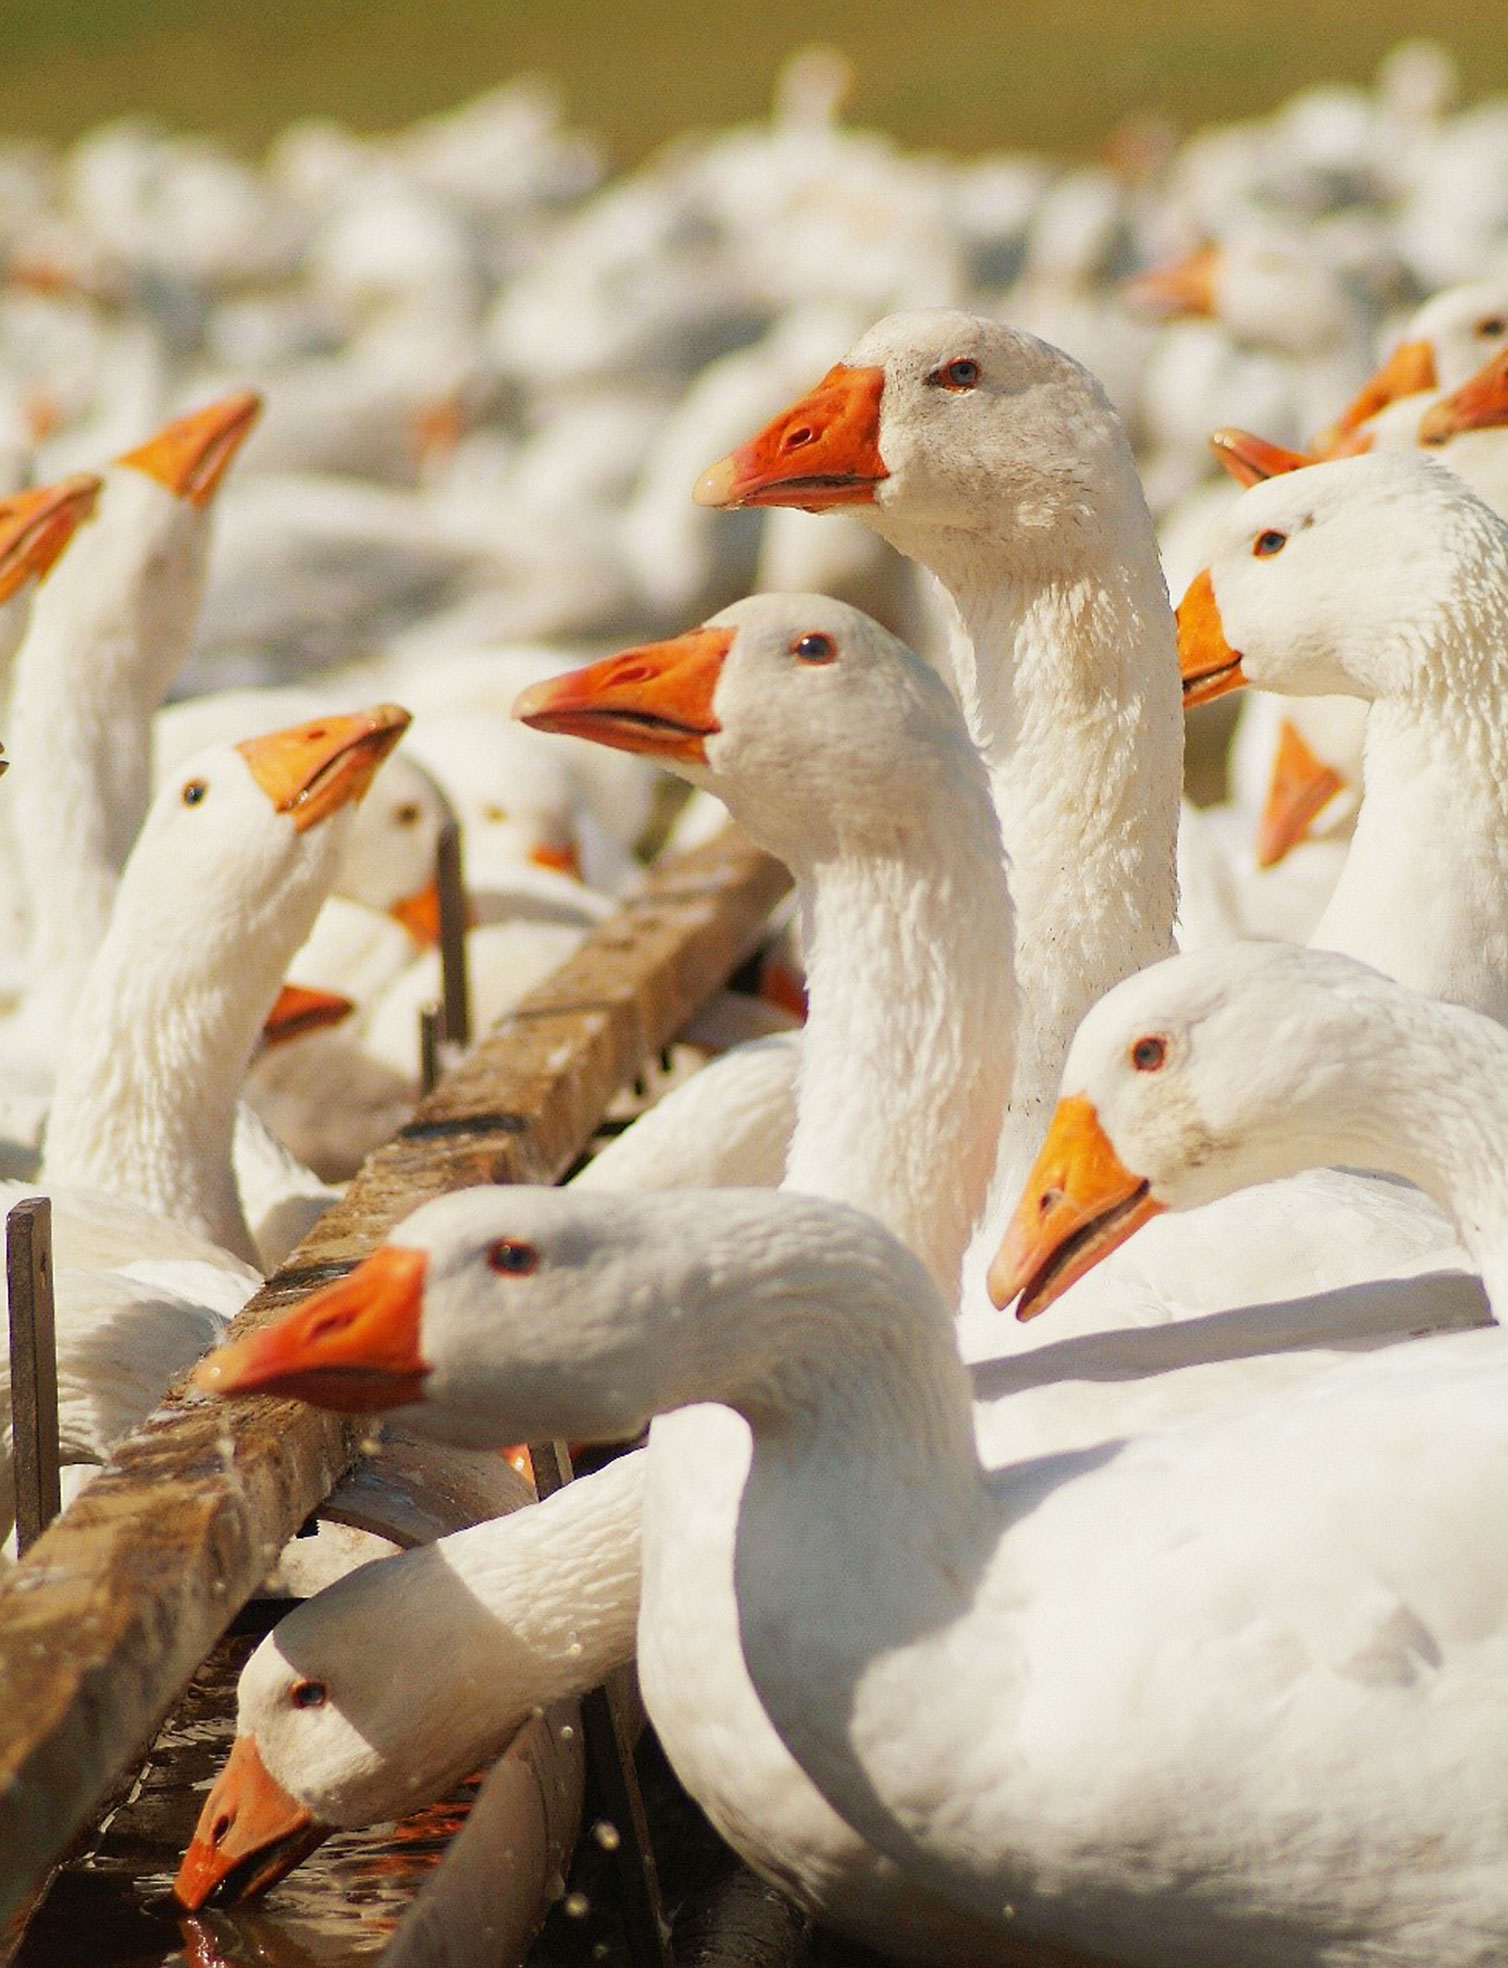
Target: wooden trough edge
110, 1612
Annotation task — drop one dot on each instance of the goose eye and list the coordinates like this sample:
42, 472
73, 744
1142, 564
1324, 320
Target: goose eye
494, 815
1492, 327
407, 814
1267, 544
308, 1694
195, 791
1147, 1055
512, 1258
960, 374
814, 648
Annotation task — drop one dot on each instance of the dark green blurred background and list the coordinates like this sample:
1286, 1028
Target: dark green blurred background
965, 75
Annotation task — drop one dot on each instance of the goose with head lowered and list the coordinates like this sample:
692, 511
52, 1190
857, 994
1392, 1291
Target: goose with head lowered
1204, 1696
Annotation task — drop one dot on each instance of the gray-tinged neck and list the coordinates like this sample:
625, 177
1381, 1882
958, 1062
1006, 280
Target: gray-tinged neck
1069, 682
1423, 1095
1423, 895
907, 1059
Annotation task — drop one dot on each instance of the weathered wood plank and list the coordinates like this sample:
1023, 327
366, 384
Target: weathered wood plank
103, 1623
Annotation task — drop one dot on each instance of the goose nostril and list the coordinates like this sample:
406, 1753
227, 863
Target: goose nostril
795, 439
218, 1830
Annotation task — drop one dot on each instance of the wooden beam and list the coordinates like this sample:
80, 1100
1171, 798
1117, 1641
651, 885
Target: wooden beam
105, 1620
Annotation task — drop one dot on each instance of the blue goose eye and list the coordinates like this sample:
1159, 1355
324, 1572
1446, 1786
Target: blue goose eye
815, 648
308, 1694
1269, 543
512, 1258
960, 374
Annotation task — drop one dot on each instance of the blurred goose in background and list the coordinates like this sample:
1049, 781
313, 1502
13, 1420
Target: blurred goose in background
107, 634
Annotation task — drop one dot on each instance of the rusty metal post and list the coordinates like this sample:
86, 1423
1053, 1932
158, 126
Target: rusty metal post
455, 986
33, 1367
431, 1024
609, 1746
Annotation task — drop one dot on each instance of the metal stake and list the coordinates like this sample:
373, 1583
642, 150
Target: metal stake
430, 1022
455, 990
33, 1367
608, 1741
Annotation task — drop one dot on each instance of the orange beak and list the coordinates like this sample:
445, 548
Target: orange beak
1210, 667
353, 1346
36, 526
419, 914
1409, 369
824, 451
1080, 1203
1481, 403
562, 860
1302, 786
1182, 287
250, 1834
299, 1009
312, 770
192, 454
1250, 459
655, 699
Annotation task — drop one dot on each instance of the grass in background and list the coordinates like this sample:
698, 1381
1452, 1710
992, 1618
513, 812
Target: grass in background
973, 75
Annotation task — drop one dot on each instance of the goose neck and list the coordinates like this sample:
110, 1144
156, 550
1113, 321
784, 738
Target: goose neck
1069, 681
907, 1059
1435, 771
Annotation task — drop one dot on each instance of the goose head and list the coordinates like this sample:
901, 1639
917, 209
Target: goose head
136, 576
35, 527
1451, 336
1196, 1077
937, 427
252, 832
496, 1315
1355, 577
791, 708
387, 857
327, 1736
1268, 290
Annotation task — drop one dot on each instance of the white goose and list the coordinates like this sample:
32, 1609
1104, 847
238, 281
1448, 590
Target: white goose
328, 1737
1225, 1068
887, 824
107, 635
996, 461
1198, 1697
234, 860
1384, 577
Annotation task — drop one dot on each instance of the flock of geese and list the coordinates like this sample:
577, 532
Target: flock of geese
1170, 1627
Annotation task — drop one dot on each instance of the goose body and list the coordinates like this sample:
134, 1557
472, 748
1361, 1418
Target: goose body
1184, 1698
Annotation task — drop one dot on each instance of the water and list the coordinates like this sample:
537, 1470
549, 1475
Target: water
112, 1907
